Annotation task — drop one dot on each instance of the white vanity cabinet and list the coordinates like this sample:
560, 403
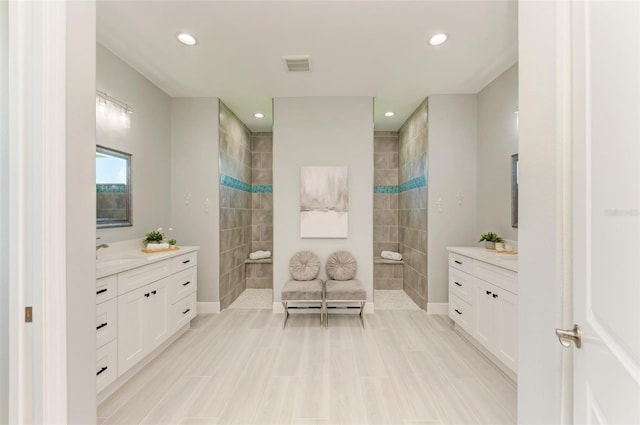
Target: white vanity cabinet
144, 322
483, 301
106, 332
144, 305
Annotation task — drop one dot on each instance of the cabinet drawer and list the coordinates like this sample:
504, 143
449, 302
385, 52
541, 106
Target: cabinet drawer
183, 311
502, 278
461, 284
461, 312
136, 278
106, 288
106, 322
106, 365
184, 261
460, 262
182, 284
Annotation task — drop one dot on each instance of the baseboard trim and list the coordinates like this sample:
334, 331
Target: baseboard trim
438, 308
208, 307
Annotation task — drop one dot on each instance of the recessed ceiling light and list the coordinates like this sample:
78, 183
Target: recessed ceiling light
438, 39
389, 114
258, 115
187, 39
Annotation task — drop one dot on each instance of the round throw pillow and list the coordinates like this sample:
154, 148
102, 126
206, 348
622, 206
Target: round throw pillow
304, 265
341, 266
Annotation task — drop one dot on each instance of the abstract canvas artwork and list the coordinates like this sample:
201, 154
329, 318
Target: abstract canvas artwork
324, 202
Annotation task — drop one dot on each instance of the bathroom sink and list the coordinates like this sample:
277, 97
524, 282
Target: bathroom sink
507, 257
115, 262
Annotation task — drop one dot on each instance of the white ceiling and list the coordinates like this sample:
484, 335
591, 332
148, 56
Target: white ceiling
357, 48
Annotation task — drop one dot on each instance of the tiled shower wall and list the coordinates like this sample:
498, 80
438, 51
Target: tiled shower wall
385, 205
412, 204
235, 205
261, 275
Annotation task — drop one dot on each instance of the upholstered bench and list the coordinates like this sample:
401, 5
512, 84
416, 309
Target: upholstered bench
304, 287
343, 287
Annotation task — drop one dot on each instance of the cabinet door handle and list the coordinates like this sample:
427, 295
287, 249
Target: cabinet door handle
186, 311
458, 262
495, 295
102, 370
101, 291
458, 311
457, 283
154, 292
186, 283
146, 295
186, 261
488, 292
102, 325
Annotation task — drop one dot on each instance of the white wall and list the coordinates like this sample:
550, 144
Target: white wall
195, 177
4, 216
80, 211
451, 169
540, 271
148, 140
497, 141
322, 131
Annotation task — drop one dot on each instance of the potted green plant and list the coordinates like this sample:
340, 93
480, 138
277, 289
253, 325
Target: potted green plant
154, 236
172, 243
490, 240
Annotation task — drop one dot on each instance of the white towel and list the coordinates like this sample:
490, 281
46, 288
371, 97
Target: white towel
390, 255
259, 255
157, 246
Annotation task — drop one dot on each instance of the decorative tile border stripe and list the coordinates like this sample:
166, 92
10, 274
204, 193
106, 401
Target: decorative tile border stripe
415, 183
262, 188
233, 183
111, 188
386, 189
229, 181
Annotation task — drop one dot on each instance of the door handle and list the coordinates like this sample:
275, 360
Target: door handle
567, 336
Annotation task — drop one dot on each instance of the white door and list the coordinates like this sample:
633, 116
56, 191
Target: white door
606, 134
506, 306
132, 311
484, 314
156, 320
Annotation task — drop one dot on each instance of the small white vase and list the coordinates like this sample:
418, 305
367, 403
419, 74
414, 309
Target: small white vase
500, 246
489, 245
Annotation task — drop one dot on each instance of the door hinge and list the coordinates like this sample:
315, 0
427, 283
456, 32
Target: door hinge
28, 314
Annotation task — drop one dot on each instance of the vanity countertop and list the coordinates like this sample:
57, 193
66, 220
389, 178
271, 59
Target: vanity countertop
133, 258
506, 261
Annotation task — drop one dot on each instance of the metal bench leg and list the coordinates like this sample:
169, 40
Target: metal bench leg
362, 304
286, 314
326, 314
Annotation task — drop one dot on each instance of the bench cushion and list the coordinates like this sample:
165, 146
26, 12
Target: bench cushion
302, 290
345, 290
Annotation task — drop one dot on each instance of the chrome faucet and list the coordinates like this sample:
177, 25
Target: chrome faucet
102, 245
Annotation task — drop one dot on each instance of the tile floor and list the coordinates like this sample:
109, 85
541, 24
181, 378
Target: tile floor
241, 367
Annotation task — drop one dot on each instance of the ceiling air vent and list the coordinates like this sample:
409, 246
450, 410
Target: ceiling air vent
297, 63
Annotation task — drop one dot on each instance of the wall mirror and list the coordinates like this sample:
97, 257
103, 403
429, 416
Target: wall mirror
113, 188
515, 179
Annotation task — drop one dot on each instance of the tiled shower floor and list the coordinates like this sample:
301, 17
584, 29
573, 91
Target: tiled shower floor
255, 299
